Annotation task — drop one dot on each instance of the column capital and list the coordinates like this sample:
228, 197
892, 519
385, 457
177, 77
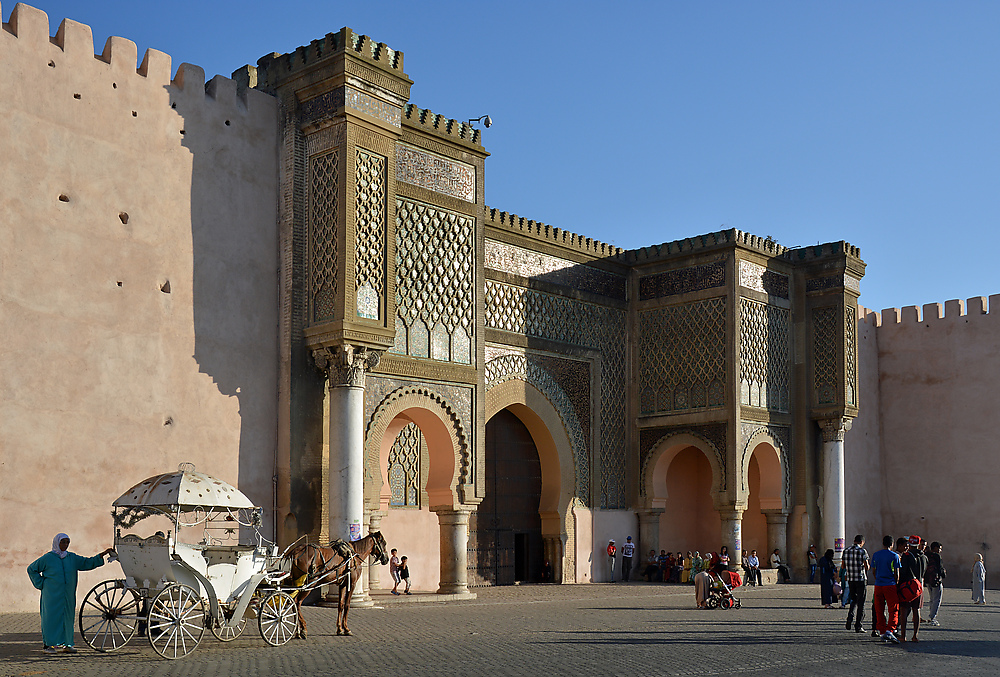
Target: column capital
346, 365
775, 516
834, 428
453, 516
650, 513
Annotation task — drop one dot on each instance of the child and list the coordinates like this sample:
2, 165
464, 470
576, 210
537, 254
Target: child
394, 570
404, 573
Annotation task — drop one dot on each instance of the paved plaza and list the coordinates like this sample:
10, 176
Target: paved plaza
637, 629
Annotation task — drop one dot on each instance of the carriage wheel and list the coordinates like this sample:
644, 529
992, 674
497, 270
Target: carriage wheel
109, 616
176, 621
278, 618
228, 634
727, 604
712, 602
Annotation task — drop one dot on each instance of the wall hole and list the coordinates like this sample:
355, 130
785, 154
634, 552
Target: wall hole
123, 216
168, 420
114, 85
173, 105
165, 287
64, 198
134, 114
182, 132
227, 123
76, 96
119, 283
52, 64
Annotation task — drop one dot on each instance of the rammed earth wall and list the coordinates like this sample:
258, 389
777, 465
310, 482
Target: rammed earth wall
138, 304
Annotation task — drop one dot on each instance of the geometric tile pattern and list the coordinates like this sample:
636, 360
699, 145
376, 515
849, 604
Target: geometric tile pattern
534, 265
436, 173
824, 327
404, 468
370, 233
682, 281
851, 353
761, 279
435, 282
764, 347
323, 245
682, 359
366, 103
525, 367
588, 325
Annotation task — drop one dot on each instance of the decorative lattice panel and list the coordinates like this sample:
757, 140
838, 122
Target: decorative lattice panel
404, 468
682, 281
682, 356
370, 233
435, 282
851, 353
323, 234
589, 325
764, 349
824, 332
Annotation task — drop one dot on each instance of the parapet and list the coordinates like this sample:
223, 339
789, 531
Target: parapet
274, 68
546, 233
731, 236
423, 118
822, 250
30, 27
930, 313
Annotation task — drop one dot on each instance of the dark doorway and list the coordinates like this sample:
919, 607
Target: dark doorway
505, 533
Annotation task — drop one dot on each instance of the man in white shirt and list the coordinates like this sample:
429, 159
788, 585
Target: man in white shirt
776, 564
628, 549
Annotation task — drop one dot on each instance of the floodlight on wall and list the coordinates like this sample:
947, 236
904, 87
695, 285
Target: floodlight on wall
485, 119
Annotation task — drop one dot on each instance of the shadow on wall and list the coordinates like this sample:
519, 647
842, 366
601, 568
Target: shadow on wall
233, 142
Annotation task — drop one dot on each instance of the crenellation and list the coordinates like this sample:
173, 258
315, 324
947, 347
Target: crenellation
29, 24
952, 309
977, 305
449, 128
932, 311
545, 232
75, 39
155, 66
823, 250
121, 54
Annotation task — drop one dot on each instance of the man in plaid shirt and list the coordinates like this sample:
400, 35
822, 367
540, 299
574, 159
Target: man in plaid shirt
856, 563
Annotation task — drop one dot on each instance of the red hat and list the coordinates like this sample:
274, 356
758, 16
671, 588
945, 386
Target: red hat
914, 540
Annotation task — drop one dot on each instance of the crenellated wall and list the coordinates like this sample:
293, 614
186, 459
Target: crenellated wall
924, 448
138, 305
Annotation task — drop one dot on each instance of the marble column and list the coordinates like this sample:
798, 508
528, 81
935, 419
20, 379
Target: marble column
454, 551
834, 519
649, 534
777, 530
732, 536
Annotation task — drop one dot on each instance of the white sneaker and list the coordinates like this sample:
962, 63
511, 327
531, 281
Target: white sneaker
934, 621
890, 638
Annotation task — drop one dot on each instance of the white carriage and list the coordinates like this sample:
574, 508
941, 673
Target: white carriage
206, 566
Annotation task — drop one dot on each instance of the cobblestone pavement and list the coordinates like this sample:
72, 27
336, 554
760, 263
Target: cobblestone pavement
637, 629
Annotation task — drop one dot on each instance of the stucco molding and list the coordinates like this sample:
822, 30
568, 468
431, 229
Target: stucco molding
346, 365
753, 434
675, 438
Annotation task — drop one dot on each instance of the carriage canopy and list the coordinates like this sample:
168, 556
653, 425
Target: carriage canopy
186, 488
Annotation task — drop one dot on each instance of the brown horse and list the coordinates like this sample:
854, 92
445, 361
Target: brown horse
314, 565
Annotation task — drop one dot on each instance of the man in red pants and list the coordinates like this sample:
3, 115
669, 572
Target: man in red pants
885, 564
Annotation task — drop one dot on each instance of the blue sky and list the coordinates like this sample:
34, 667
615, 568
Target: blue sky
871, 122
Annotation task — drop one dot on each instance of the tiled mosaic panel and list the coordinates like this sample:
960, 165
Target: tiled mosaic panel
508, 258
672, 282
323, 106
572, 406
781, 435
459, 398
834, 282
759, 278
435, 282
851, 353
436, 173
825, 354
682, 362
370, 233
764, 348
588, 325
366, 103
713, 433
323, 234
404, 467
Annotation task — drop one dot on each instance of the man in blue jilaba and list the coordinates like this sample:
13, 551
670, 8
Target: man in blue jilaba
55, 574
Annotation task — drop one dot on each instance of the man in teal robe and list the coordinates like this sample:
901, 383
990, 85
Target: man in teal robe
55, 574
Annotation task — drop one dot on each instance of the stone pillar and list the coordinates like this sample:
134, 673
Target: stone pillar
374, 568
834, 519
732, 536
777, 537
649, 533
454, 551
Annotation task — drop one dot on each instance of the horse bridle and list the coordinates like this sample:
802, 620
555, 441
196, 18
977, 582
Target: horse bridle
382, 557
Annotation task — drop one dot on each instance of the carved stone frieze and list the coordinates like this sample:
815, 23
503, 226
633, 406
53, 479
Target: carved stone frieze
834, 429
534, 265
682, 281
346, 365
759, 278
434, 172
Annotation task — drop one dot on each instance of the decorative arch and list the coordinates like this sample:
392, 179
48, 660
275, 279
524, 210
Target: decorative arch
773, 463
517, 367
440, 425
654, 472
556, 456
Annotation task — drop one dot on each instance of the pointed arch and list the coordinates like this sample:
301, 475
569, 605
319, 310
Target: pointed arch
772, 460
654, 485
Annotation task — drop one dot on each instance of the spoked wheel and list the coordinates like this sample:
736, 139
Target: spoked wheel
277, 618
727, 604
109, 616
228, 634
712, 602
176, 621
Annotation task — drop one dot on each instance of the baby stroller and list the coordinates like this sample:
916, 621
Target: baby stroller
720, 594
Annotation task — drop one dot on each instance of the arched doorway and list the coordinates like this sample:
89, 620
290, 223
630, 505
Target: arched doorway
505, 532
766, 495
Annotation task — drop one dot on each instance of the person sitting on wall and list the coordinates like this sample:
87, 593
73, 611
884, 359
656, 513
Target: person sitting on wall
677, 569
661, 563
776, 564
723, 561
652, 572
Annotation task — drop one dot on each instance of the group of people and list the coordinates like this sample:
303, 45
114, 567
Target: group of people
400, 572
668, 567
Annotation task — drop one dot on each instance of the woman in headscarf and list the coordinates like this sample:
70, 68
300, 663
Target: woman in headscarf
702, 584
826, 572
979, 581
55, 574
686, 573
